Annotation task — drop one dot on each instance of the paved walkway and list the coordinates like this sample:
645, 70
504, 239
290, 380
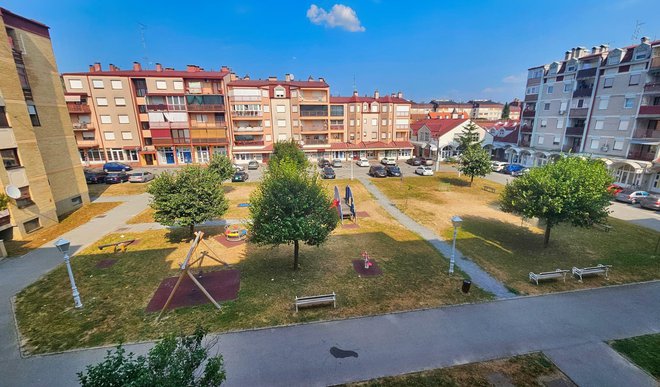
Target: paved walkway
478, 276
142, 227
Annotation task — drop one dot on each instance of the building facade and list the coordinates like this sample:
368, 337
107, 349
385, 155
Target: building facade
599, 102
36, 138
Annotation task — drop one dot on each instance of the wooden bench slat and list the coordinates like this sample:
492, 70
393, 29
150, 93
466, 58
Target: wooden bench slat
316, 300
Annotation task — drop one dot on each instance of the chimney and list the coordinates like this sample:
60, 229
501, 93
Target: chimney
137, 66
287, 77
224, 68
311, 78
111, 67
572, 53
272, 79
321, 79
594, 50
567, 55
159, 67
232, 77
246, 77
192, 68
399, 94
580, 51
604, 48
355, 93
91, 68
97, 66
645, 40
376, 94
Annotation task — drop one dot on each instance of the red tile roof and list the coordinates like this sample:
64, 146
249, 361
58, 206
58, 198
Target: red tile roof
266, 82
438, 127
153, 73
508, 128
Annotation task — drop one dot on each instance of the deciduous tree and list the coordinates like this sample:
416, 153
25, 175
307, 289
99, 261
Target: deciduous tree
475, 161
222, 166
572, 190
288, 150
185, 198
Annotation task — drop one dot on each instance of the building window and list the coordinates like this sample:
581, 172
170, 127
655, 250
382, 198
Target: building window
618, 145
123, 119
608, 82
294, 109
594, 144
131, 155
540, 140
602, 104
75, 84
32, 225
383, 122
101, 101
555, 141
178, 85
580, 103
105, 119
116, 84
10, 158
550, 89
161, 85
77, 200
623, 125
570, 68
634, 80
281, 123
628, 103
4, 123
266, 108
267, 123
25, 199
281, 108
599, 124
97, 83
115, 154
126, 135
120, 101
546, 106
351, 109
374, 121
568, 87
280, 92
142, 108
109, 135
88, 135
148, 141
544, 123
352, 122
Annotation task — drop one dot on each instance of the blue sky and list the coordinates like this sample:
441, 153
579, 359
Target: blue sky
426, 49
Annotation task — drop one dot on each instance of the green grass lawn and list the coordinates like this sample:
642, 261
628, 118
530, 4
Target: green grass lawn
643, 351
527, 370
115, 298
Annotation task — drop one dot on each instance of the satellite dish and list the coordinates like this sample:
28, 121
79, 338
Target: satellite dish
292, 77
13, 191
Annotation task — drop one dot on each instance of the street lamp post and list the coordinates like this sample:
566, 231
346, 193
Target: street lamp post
456, 221
351, 161
63, 246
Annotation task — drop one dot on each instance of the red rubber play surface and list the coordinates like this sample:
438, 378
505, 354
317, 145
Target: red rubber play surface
223, 285
374, 270
223, 241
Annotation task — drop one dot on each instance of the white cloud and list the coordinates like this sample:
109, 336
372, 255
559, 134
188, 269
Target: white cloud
515, 79
340, 16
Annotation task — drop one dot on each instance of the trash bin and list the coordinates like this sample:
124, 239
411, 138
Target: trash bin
466, 286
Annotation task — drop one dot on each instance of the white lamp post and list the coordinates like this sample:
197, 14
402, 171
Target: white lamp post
63, 246
456, 221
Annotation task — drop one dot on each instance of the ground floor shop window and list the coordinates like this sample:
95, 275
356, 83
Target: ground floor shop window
184, 155
405, 153
166, 155
91, 155
115, 154
219, 151
131, 155
202, 154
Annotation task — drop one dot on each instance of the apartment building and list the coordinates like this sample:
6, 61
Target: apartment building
37, 144
478, 109
157, 116
600, 102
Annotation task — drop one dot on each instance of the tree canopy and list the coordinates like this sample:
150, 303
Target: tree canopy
288, 150
222, 166
291, 206
469, 136
187, 197
4, 200
571, 190
475, 161
173, 361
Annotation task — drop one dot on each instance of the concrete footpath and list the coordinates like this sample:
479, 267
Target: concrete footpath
478, 276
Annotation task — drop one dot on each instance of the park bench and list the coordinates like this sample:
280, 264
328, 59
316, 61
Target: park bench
591, 270
118, 246
548, 275
603, 227
490, 189
316, 300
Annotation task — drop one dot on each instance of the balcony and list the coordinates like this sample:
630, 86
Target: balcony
586, 73
574, 130
5, 218
526, 129
313, 128
168, 125
652, 87
249, 143
529, 113
209, 141
208, 125
206, 108
313, 113
337, 127
170, 141
578, 112
247, 113
83, 126
640, 133
244, 98
248, 129
583, 92
316, 141
87, 143
570, 148
655, 65
78, 108
166, 108
531, 97
649, 110
641, 155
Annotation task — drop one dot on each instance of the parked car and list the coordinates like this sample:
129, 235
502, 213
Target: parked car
415, 161
631, 196
393, 170
328, 173
614, 189
377, 171
520, 172
238, 167
253, 164
652, 202
95, 177
116, 177
116, 167
323, 163
511, 168
140, 177
336, 163
388, 161
362, 162
424, 171
498, 166
240, 176
427, 162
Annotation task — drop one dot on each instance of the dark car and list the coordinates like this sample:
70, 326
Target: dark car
377, 171
652, 202
116, 167
324, 163
415, 161
253, 164
328, 173
511, 168
240, 176
95, 177
393, 170
116, 177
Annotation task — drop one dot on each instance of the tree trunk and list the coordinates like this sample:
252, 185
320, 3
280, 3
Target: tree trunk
192, 229
546, 238
471, 180
296, 247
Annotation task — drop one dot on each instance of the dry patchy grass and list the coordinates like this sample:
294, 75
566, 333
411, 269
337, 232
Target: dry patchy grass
67, 223
123, 189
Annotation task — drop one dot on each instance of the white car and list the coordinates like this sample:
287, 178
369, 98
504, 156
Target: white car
498, 166
362, 162
238, 167
388, 161
424, 171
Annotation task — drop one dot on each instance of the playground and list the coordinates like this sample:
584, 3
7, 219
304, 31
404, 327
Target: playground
405, 273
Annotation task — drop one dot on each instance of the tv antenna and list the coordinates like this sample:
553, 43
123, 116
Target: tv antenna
636, 32
143, 40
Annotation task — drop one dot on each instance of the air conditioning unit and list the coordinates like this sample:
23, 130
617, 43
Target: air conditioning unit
605, 148
562, 112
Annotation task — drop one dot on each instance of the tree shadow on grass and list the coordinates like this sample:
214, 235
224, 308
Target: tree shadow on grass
455, 181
